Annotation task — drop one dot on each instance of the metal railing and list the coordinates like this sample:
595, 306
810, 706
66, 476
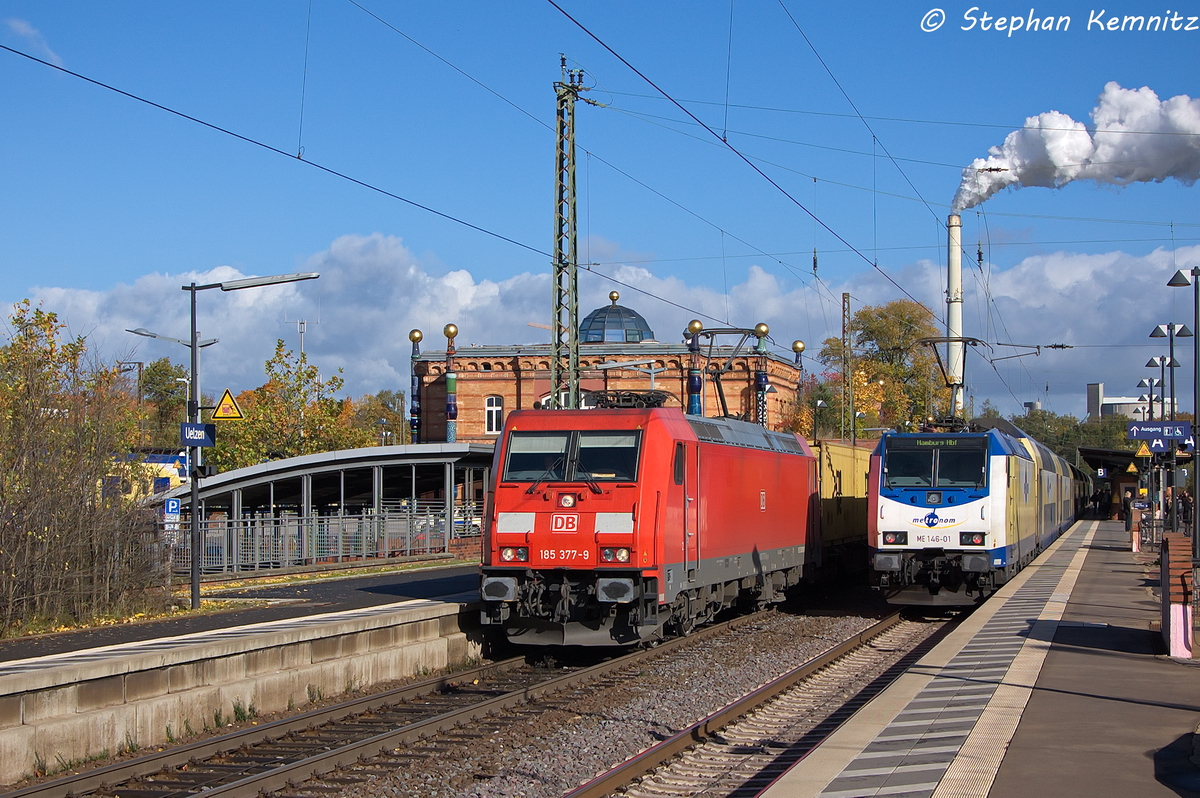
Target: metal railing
1151, 532
265, 542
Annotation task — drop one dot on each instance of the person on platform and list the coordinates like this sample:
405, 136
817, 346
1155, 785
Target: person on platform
1127, 510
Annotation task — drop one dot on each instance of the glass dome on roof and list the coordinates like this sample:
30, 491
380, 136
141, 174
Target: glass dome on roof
614, 324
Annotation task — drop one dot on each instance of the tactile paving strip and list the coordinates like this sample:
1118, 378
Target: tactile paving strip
953, 733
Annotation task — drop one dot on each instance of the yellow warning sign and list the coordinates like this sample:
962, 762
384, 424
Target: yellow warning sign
1143, 450
227, 409
1132, 469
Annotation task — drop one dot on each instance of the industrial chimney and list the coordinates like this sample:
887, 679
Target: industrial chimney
954, 318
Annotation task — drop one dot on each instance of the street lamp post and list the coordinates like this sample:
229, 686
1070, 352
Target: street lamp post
1171, 331
451, 332
195, 344
414, 399
817, 405
1181, 279
1149, 384
695, 380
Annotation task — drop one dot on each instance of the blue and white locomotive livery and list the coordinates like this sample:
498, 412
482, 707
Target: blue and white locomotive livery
953, 516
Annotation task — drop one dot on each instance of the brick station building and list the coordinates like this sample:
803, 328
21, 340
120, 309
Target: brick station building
493, 380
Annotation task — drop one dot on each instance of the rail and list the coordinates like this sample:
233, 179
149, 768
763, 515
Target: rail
345, 731
645, 762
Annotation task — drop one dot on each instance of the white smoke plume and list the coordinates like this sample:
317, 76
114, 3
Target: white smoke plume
1134, 138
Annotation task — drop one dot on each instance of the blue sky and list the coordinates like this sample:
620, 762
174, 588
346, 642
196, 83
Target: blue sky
109, 205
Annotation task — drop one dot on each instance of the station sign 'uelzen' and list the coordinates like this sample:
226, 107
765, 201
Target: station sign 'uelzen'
197, 434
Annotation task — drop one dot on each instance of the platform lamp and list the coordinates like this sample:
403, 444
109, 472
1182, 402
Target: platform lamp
761, 383
451, 332
817, 405
798, 348
1171, 331
1180, 279
414, 388
1149, 384
1155, 472
695, 379
194, 344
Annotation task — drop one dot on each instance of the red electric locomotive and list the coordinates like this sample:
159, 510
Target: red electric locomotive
612, 527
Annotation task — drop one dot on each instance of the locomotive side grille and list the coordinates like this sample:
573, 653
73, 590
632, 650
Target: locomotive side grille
741, 433
707, 432
785, 442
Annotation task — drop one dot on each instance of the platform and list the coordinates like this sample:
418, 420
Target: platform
1055, 686
76, 704
298, 599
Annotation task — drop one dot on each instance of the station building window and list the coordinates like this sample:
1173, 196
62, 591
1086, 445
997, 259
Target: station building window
495, 415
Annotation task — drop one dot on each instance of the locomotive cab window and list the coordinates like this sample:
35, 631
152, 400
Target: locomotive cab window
680, 461
935, 463
572, 456
607, 455
909, 468
536, 456
962, 468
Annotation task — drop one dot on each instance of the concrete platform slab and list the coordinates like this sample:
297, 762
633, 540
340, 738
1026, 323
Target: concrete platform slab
1063, 675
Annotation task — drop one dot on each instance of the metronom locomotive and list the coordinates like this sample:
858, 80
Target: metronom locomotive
618, 526
953, 516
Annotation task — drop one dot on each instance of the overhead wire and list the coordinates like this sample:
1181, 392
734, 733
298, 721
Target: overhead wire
998, 126
549, 127
270, 148
845, 94
326, 169
731, 148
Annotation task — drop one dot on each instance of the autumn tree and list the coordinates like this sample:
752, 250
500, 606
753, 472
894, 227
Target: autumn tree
72, 532
294, 413
164, 391
895, 379
1064, 434
385, 406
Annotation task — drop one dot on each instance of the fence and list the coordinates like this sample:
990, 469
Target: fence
1150, 532
264, 542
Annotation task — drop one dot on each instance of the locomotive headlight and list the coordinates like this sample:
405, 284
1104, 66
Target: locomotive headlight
895, 538
614, 555
514, 554
566, 500
970, 538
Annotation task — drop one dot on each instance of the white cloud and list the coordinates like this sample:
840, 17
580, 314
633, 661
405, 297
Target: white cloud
1111, 300
34, 39
373, 290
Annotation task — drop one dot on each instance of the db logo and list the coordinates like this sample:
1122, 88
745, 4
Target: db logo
564, 523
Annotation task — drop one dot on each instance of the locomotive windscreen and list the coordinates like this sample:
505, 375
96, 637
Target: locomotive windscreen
935, 462
536, 456
572, 456
607, 455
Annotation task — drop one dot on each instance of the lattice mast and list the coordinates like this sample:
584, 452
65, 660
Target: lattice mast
564, 357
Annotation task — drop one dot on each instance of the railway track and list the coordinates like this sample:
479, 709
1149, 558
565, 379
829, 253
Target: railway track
272, 757
742, 748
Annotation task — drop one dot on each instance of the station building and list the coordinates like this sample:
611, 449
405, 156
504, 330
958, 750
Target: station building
618, 352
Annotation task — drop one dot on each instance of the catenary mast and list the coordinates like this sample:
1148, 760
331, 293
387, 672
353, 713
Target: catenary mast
564, 355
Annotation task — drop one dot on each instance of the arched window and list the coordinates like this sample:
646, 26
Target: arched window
495, 414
